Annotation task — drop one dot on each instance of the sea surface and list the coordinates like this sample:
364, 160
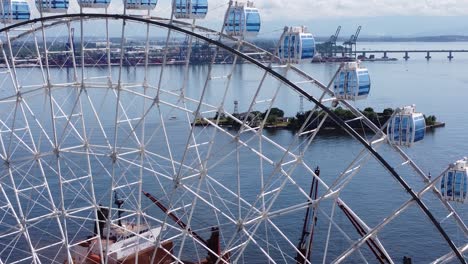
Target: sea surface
437, 87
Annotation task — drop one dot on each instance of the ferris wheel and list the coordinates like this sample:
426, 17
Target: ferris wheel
120, 144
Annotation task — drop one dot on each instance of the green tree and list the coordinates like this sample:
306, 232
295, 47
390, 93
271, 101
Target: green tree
276, 112
387, 112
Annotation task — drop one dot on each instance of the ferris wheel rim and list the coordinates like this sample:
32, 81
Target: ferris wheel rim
273, 73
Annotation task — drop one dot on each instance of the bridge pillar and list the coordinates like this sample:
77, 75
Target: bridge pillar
450, 57
385, 55
428, 56
406, 57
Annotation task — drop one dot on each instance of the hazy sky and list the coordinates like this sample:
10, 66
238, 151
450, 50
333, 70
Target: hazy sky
378, 17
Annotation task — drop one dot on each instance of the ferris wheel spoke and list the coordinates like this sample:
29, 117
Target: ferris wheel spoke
374, 231
447, 258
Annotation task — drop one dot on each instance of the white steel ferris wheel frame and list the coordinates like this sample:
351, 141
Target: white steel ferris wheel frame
369, 150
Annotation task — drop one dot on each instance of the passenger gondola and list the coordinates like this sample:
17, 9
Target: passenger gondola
52, 6
353, 82
190, 9
454, 183
297, 44
406, 127
15, 10
94, 3
242, 20
140, 4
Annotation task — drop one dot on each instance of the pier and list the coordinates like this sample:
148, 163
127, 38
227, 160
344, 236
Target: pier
406, 53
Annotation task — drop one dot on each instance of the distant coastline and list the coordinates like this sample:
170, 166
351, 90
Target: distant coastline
441, 38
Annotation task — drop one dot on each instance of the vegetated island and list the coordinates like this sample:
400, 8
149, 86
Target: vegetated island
277, 120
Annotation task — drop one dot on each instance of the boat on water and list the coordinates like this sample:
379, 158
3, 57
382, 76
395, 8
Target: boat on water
122, 243
127, 242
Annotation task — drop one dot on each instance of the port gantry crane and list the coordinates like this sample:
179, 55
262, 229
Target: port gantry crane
330, 44
350, 45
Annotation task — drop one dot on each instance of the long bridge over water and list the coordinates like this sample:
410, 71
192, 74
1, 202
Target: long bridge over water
450, 52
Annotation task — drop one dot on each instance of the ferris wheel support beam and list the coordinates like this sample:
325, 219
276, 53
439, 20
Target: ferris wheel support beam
19, 110
278, 76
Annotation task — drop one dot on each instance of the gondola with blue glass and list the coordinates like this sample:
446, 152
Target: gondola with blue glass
353, 82
94, 3
14, 10
242, 20
297, 44
190, 9
454, 182
140, 4
52, 6
406, 127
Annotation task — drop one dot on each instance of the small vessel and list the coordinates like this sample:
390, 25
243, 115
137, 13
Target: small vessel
123, 246
124, 242
127, 242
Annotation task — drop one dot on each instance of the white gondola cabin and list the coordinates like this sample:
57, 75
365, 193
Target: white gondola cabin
94, 3
353, 82
454, 183
140, 4
190, 9
242, 20
52, 6
297, 44
406, 127
15, 10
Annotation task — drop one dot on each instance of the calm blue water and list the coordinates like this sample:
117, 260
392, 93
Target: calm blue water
438, 87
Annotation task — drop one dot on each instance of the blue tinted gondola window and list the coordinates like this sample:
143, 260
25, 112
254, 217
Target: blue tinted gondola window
285, 50
340, 86
140, 4
404, 128
308, 47
292, 47
94, 3
449, 184
48, 5
420, 128
396, 128
364, 83
465, 187
252, 21
442, 186
15, 10
234, 21
457, 184
22, 9
200, 7
186, 8
352, 83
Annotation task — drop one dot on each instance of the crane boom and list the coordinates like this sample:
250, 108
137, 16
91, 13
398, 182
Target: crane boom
335, 37
356, 35
175, 218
